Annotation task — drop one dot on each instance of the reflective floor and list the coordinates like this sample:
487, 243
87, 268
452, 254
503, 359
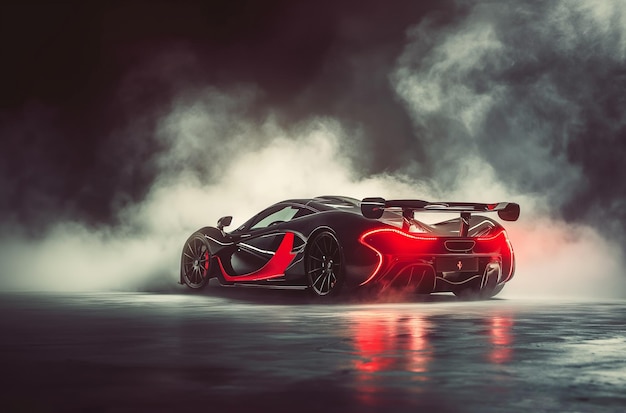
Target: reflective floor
259, 350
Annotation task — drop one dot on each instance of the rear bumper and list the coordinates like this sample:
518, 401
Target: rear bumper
429, 263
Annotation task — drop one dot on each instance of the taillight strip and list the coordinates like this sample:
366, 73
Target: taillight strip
378, 253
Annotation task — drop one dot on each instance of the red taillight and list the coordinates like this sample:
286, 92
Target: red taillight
393, 240
398, 232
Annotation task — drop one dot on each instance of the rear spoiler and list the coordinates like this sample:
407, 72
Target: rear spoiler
373, 208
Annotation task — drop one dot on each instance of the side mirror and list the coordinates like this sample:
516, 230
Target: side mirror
224, 222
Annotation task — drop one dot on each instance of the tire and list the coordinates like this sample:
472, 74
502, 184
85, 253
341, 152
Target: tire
195, 262
324, 264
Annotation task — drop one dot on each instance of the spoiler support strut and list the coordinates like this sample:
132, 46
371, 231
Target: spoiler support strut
465, 223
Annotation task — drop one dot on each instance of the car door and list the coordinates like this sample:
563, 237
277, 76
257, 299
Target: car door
263, 250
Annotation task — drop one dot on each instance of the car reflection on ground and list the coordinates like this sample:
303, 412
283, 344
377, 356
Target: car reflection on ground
500, 338
408, 349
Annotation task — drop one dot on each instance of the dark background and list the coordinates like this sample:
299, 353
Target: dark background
75, 73
535, 92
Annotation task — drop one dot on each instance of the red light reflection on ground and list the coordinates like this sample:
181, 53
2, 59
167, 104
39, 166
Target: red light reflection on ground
501, 339
386, 344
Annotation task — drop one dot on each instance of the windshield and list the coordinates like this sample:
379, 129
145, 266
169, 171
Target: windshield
274, 215
282, 215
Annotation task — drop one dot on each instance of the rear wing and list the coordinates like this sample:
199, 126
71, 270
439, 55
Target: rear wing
373, 208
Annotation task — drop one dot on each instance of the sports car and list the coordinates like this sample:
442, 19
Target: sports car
331, 244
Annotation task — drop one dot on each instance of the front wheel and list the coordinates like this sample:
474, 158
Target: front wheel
195, 262
324, 264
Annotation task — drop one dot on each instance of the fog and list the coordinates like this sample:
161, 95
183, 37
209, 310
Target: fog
240, 177
143, 250
506, 102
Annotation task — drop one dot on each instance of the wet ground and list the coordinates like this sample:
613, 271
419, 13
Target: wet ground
257, 350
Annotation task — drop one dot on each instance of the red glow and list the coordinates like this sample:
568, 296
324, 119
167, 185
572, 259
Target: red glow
369, 340
380, 262
397, 231
378, 253
389, 243
512, 267
501, 339
275, 267
385, 344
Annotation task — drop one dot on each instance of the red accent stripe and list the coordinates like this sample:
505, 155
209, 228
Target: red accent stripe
275, 267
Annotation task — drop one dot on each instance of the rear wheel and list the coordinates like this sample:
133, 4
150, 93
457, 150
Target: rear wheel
195, 262
324, 264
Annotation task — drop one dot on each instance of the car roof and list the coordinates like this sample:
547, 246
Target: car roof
329, 202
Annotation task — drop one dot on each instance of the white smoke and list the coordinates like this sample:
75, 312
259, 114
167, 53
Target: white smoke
220, 160
218, 163
498, 137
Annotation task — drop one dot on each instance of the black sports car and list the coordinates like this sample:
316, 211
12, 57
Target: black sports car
331, 243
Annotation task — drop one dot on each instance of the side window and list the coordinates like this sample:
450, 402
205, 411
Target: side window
282, 215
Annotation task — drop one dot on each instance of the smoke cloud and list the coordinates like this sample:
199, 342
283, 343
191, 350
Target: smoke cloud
478, 112
530, 93
535, 92
215, 163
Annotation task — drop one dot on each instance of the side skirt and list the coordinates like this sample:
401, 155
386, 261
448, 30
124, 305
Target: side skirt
266, 286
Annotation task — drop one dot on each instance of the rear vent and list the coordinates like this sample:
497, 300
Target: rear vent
459, 245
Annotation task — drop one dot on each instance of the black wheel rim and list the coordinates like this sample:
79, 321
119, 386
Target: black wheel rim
324, 263
195, 262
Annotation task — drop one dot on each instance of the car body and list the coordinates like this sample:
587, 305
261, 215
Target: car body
333, 243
